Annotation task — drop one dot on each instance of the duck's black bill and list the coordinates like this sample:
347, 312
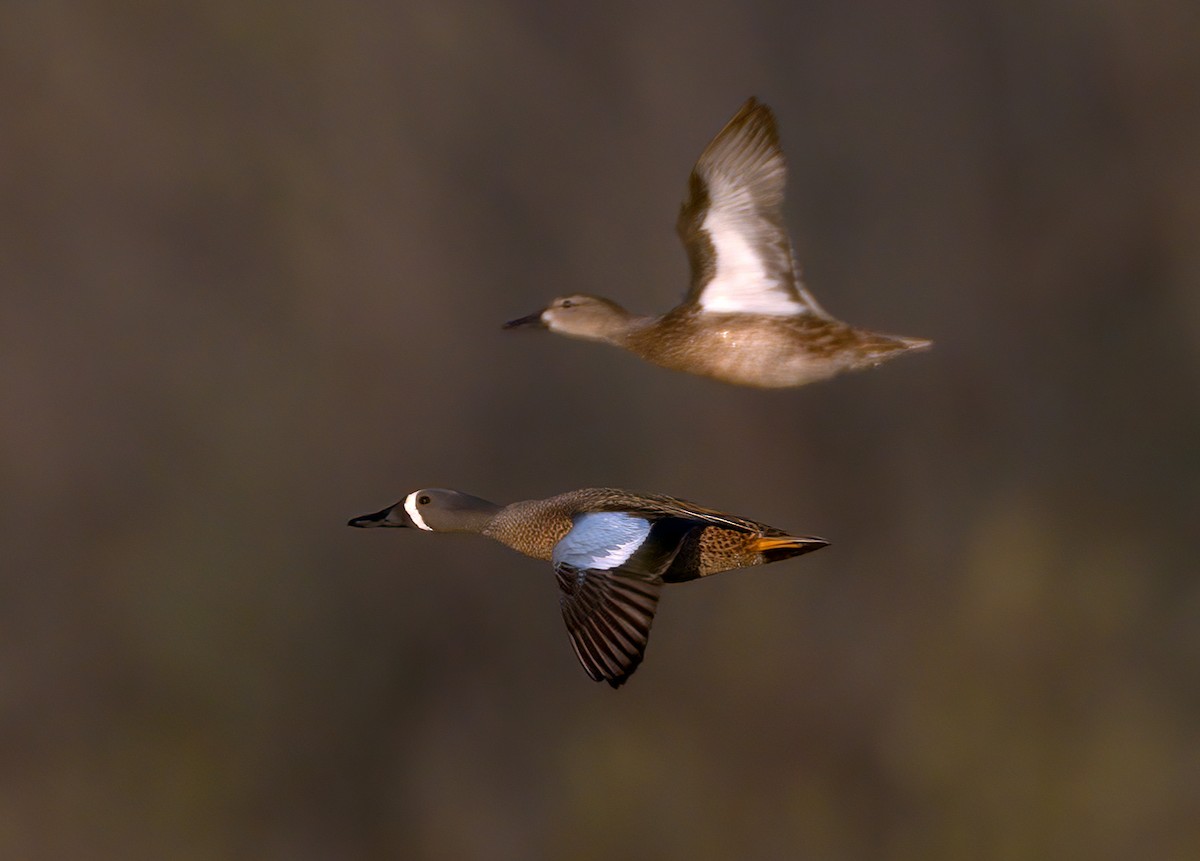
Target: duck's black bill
379, 518
534, 319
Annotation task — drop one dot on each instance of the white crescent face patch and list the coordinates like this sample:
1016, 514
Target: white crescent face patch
410, 505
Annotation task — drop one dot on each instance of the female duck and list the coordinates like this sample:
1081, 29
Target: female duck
747, 319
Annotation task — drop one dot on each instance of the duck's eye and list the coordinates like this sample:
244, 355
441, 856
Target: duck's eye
424, 500
567, 303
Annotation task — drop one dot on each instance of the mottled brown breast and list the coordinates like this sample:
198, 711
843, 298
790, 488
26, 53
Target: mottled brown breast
532, 527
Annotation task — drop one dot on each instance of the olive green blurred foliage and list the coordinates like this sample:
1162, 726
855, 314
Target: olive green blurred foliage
254, 259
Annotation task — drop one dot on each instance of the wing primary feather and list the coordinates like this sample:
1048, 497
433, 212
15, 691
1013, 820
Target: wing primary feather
608, 615
731, 222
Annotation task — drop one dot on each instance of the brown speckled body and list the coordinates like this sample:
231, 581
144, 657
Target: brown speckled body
747, 318
757, 349
723, 549
612, 551
723, 543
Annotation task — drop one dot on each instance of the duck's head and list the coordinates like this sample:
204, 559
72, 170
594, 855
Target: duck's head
580, 316
433, 509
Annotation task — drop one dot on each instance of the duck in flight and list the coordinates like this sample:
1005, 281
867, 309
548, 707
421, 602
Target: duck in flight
612, 551
747, 318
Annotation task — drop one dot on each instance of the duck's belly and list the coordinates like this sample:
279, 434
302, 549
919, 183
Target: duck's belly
754, 351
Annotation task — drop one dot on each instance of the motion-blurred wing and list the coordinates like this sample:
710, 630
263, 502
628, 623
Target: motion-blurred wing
732, 223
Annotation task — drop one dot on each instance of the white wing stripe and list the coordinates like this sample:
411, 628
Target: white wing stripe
741, 283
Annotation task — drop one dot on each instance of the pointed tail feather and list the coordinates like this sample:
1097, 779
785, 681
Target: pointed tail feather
776, 547
886, 346
916, 343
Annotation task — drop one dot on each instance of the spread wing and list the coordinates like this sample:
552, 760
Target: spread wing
609, 570
731, 223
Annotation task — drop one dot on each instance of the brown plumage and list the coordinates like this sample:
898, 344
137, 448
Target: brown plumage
746, 319
612, 551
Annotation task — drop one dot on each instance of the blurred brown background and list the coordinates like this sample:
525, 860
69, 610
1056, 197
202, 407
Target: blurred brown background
254, 260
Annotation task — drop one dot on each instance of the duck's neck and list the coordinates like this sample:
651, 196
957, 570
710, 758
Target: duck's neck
622, 326
473, 514
531, 527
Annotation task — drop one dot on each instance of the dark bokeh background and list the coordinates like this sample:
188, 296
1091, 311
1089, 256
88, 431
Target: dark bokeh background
254, 258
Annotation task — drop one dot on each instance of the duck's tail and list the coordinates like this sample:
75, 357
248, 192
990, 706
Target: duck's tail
776, 547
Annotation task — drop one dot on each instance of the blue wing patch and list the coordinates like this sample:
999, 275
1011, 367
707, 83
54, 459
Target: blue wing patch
610, 568
601, 540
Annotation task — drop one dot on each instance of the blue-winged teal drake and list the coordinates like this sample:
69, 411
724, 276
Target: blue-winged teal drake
747, 318
612, 551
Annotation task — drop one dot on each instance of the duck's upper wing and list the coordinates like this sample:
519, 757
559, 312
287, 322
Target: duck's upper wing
656, 505
609, 570
731, 223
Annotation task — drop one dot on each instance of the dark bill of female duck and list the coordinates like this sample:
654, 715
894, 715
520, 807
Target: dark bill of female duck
747, 318
534, 319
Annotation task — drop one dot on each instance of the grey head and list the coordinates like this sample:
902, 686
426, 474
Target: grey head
434, 509
591, 318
